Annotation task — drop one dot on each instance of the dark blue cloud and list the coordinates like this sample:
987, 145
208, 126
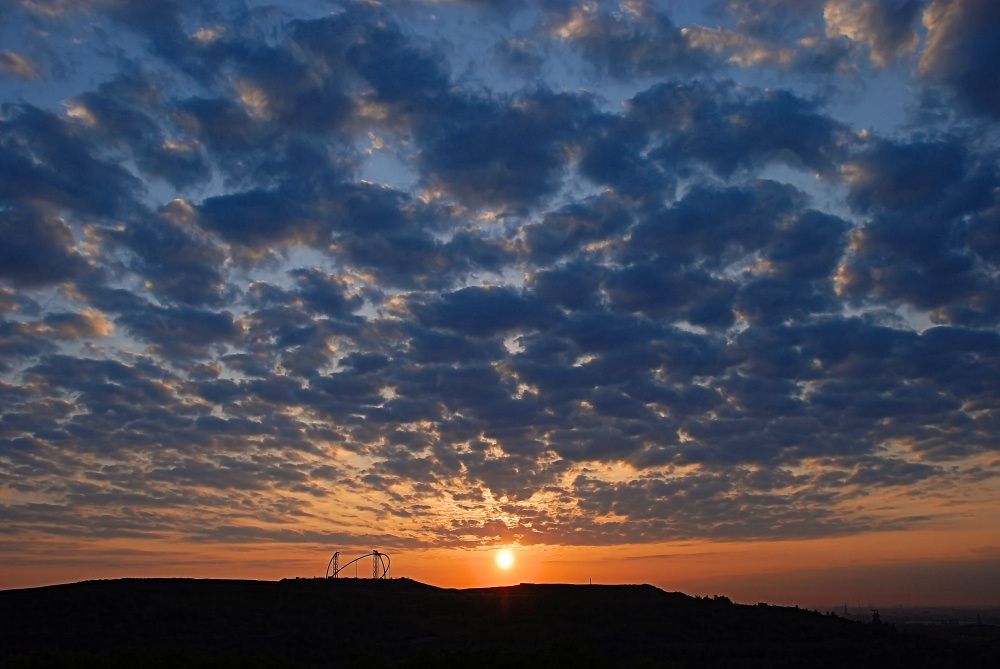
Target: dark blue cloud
183, 330
36, 248
715, 225
921, 245
490, 153
259, 217
124, 111
729, 128
293, 96
325, 294
572, 286
614, 156
220, 123
51, 160
177, 265
519, 57
906, 175
566, 231
962, 42
484, 311
637, 42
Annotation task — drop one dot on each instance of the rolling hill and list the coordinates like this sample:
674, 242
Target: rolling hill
404, 623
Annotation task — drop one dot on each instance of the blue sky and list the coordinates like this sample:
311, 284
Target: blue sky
460, 274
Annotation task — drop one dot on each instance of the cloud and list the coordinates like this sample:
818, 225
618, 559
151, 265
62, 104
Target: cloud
280, 88
570, 229
49, 160
905, 176
483, 311
326, 294
613, 154
718, 224
791, 35
961, 42
744, 50
769, 18
507, 155
159, 23
638, 42
258, 217
182, 331
637, 293
919, 246
221, 124
519, 57
886, 27
729, 128
176, 264
572, 286
725, 505
18, 65
37, 249
124, 111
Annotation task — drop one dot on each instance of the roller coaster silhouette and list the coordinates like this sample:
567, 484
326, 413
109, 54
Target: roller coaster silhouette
380, 564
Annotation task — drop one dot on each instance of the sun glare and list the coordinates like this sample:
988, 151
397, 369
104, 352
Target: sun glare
505, 559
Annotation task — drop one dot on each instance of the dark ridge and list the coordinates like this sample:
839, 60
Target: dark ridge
404, 623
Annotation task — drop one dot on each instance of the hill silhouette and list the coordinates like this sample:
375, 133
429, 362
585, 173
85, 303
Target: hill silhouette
404, 623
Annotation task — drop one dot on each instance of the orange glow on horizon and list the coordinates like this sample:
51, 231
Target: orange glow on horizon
943, 566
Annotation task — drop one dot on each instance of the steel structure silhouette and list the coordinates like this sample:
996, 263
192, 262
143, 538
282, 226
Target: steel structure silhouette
380, 564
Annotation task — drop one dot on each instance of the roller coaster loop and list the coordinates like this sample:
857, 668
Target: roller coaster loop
380, 564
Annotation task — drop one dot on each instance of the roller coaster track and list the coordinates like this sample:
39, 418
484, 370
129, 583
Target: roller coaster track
380, 564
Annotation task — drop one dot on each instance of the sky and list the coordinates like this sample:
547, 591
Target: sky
698, 294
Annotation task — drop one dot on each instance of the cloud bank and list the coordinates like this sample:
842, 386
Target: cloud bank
590, 275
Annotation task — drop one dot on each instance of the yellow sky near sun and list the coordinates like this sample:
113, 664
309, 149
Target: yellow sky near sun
928, 557
805, 572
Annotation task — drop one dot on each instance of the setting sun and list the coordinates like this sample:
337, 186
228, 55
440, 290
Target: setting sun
505, 559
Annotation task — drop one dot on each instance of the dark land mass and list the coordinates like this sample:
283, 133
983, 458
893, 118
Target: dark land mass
403, 623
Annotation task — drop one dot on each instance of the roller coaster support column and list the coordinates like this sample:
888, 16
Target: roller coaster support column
375, 564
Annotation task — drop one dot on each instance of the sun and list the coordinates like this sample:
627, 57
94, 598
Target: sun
505, 559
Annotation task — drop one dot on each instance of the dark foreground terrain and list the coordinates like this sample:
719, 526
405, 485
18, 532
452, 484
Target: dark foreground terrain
402, 623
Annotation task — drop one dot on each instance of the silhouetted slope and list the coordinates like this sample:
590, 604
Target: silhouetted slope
363, 623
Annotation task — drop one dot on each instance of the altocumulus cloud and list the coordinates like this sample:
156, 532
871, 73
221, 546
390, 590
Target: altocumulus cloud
595, 274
